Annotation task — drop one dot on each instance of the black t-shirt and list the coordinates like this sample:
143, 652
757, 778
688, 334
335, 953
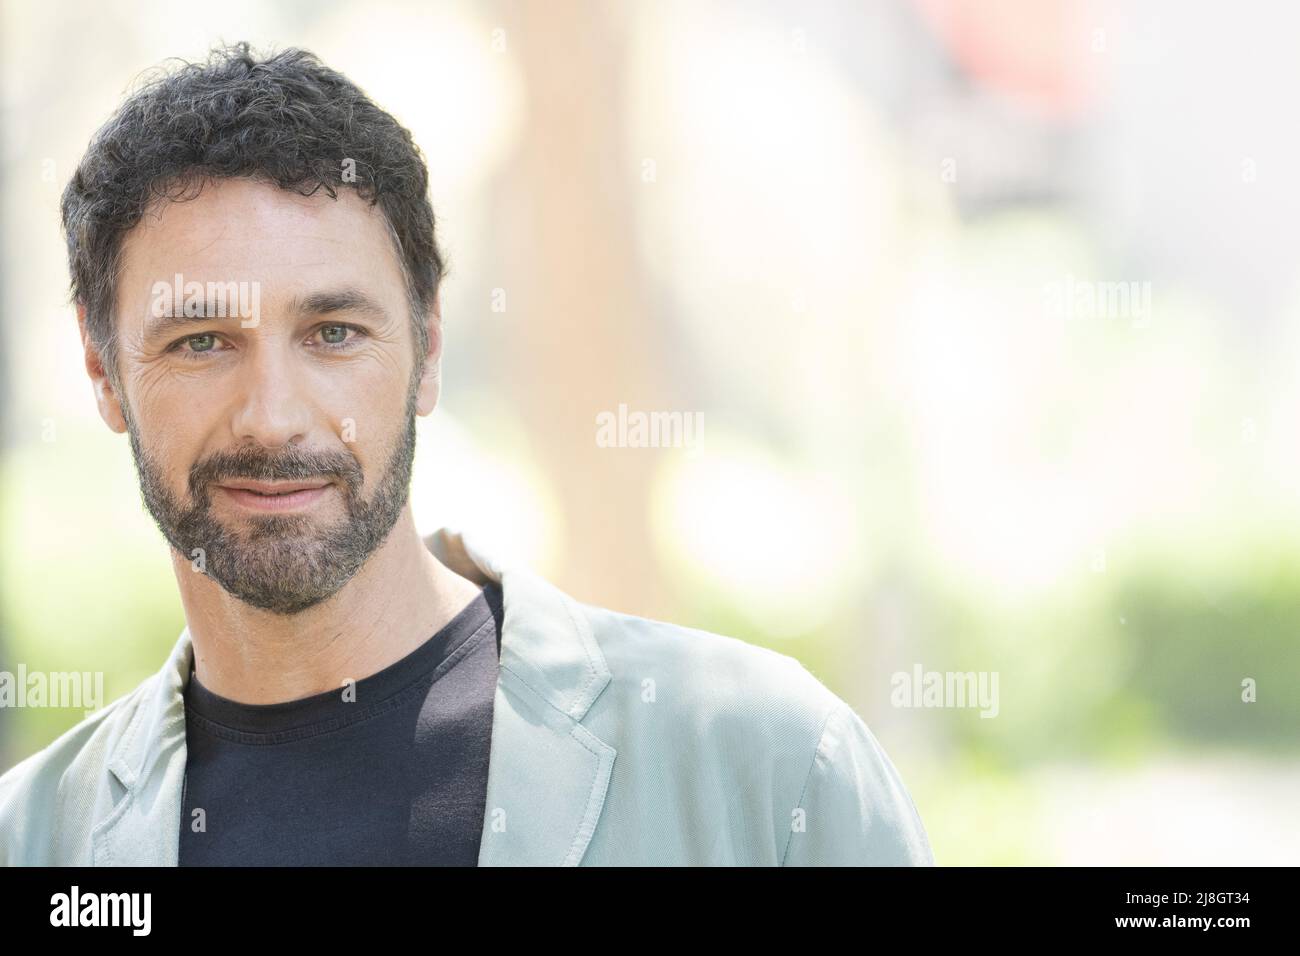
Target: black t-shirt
397, 776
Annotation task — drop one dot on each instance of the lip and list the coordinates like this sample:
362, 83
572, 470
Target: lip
273, 487
275, 495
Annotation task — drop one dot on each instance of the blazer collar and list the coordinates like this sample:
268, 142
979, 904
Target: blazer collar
548, 775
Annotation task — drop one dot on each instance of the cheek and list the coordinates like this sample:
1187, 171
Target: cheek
172, 436
371, 431
147, 391
178, 452
163, 406
366, 410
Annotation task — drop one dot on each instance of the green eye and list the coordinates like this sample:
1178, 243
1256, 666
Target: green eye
206, 337
340, 330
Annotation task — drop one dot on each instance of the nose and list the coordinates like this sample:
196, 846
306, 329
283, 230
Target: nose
273, 407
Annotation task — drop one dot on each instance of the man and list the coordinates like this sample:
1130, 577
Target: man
256, 278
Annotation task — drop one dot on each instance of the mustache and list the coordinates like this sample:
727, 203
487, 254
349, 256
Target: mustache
255, 465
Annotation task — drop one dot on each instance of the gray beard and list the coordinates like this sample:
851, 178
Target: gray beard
282, 563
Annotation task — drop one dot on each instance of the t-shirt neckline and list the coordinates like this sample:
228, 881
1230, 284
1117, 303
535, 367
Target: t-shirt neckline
375, 691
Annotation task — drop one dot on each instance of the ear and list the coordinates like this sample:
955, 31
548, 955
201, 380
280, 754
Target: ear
105, 397
431, 380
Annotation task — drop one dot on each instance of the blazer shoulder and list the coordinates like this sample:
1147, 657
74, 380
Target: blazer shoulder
854, 809
34, 791
716, 677
744, 744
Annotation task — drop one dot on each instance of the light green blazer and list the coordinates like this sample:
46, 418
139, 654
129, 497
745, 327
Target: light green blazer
616, 740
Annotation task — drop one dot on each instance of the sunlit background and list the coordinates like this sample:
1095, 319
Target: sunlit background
875, 248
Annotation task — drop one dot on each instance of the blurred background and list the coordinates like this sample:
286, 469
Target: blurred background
987, 312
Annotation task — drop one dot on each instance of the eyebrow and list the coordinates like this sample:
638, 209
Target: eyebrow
326, 302
346, 299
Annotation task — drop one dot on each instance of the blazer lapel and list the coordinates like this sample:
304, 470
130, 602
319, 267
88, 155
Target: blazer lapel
548, 775
547, 781
143, 828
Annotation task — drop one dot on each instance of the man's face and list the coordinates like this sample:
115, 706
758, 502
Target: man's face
309, 377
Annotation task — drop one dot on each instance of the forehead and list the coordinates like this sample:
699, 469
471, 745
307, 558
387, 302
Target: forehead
248, 230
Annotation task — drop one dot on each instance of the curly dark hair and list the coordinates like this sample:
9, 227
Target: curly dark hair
286, 119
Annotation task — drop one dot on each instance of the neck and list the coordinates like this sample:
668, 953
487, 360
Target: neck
400, 598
